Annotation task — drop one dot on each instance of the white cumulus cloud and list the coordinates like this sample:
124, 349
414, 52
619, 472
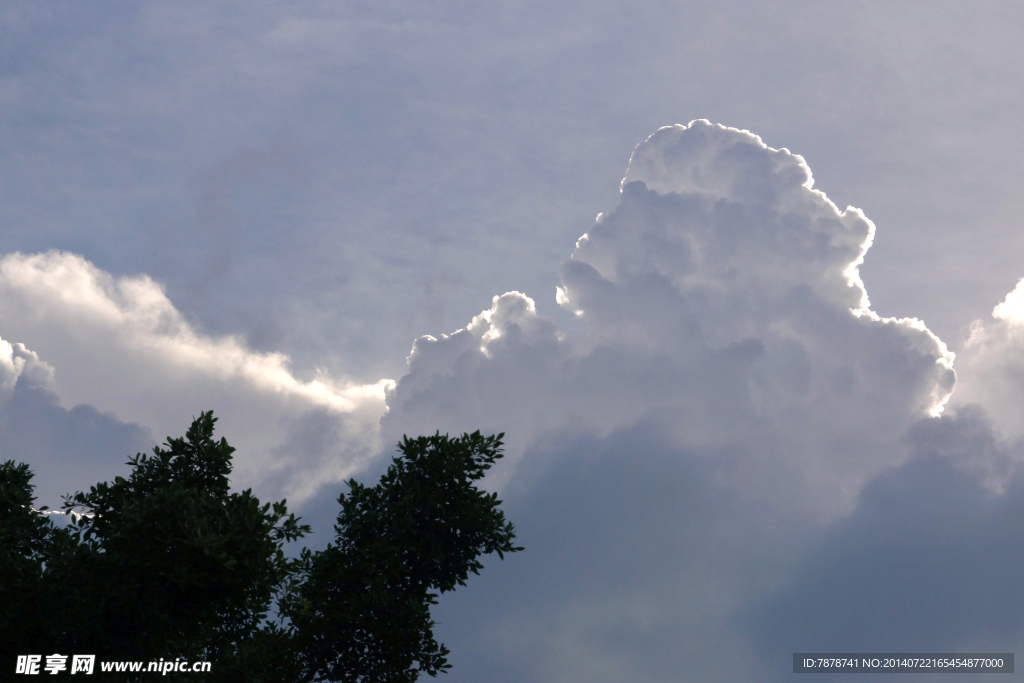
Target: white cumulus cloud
722, 302
120, 346
20, 364
737, 459
992, 365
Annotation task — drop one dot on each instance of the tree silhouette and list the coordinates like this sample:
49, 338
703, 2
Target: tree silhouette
169, 563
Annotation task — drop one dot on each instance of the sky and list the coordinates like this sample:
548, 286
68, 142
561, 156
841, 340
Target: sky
738, 280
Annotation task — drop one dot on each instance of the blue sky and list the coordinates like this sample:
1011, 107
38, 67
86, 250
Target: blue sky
259, 207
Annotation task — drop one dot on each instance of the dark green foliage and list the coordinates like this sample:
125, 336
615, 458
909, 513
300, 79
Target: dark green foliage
169, 563
363, 606
186, 567
26, 542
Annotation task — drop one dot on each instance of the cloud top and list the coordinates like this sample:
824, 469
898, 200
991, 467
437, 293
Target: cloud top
749, 215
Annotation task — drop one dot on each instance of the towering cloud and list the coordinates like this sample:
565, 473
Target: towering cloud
738, 459
723, 304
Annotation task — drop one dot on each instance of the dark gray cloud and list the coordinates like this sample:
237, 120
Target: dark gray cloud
929, 561
69, 450
641, 563
636, 554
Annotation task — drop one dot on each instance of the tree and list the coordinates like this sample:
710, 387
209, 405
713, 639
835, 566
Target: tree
169, 563
362, 607
26, 542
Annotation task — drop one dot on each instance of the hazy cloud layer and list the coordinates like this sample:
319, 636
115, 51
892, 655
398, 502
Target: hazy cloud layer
118, 345
333, 180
